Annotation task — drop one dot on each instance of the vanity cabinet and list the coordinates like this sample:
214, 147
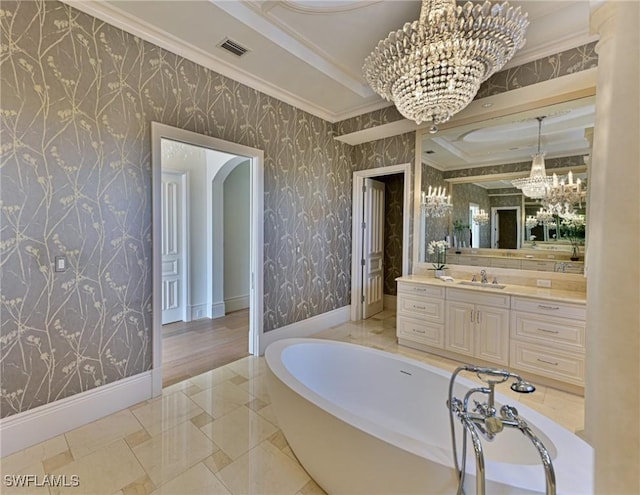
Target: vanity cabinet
420, 314
478, 325
548, 338
542, 337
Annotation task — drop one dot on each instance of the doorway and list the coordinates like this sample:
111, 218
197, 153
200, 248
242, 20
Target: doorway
229, 151
357, 238
506, 227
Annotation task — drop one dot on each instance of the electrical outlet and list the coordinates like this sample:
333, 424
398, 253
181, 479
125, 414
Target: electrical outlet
60, 263
543, 283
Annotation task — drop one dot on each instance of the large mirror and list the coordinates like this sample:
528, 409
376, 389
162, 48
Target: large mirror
475, 165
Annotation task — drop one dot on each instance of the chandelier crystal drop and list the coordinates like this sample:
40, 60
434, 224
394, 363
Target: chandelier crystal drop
545, 216
536, 185
481, 218
564, 195
433, 67
435, 203
531, 222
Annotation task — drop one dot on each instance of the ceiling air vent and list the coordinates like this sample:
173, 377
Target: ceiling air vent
233, 47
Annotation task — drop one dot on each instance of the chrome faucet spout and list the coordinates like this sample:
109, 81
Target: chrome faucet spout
484, 421
483, 274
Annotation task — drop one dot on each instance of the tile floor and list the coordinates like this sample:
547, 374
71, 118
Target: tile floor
215, 433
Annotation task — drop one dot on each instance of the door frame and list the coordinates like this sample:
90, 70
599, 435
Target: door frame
184, 240
356, 239
256, 157
494, 224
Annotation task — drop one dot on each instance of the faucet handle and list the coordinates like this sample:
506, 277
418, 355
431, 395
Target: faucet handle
495, 280
474, 279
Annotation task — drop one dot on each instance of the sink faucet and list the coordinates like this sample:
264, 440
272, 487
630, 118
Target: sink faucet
487, 421
483, 274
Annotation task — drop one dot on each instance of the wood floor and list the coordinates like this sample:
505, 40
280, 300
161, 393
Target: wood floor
189, 349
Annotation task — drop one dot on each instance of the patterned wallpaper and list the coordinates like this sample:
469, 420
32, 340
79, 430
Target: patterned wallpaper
462, 195
561, 64
393, 211
78, 96
395, 150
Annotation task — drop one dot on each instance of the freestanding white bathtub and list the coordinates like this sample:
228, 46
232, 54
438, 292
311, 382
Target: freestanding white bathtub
363, 421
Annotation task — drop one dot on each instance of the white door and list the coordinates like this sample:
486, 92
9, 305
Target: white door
373, 248
173, 271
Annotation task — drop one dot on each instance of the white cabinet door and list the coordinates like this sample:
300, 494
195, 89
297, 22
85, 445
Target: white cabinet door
459, 328
492, 334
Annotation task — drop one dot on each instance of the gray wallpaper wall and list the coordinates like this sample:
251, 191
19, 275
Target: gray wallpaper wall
395, 150
393, 221
561, 64
78, 96
462, 195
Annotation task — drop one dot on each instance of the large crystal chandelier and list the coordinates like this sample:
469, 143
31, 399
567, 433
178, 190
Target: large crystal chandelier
480, 218
563, 195
433, 67
435, 203
536, 185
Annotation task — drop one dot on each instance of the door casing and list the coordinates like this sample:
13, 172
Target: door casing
356, 238
256, 156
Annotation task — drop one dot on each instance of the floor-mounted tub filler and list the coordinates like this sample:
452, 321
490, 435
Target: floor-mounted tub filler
363, 421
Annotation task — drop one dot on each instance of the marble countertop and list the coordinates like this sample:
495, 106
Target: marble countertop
512, 290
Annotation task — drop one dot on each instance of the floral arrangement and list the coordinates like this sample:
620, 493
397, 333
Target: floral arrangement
573, 227
437, 251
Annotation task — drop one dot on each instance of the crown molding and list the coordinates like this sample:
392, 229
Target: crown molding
116, 17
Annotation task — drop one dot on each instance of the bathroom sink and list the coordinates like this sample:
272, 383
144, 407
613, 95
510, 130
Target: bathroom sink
481, 285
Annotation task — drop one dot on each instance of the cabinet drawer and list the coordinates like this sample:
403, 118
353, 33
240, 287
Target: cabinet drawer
545, 266
421, 307
548, 329
475, 296
506, 263
551, 308
556, 364
421, 331
421, 289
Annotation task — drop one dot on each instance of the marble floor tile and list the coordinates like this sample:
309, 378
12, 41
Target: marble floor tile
222, 399
212, 378
11, 484
239, 431
106, 470
264, 470
258, 388
217, 433
23, 459
196, 480
166, 412
249, 366
172, 452
100, 433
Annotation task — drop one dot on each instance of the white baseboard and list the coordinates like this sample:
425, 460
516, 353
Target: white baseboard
36, 425
307, 327
236, 303
390, 302
217, 310
198, 311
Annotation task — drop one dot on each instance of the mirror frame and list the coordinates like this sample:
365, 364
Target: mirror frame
563, 89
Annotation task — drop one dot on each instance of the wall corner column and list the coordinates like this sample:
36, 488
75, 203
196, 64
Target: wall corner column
612, 389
